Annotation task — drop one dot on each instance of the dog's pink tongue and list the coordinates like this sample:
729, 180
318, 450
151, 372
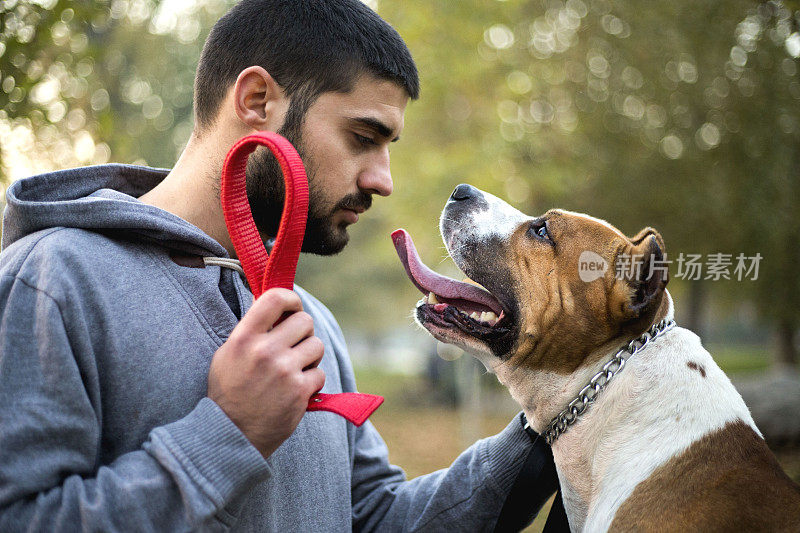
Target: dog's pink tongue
427, 280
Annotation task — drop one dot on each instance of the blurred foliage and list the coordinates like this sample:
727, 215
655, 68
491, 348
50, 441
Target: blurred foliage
88, 82
683, 116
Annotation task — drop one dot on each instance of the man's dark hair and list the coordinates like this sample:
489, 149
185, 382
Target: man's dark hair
308, 46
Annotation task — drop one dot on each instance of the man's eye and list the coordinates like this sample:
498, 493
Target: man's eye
365, 141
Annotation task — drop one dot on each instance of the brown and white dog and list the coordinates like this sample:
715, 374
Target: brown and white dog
668, 444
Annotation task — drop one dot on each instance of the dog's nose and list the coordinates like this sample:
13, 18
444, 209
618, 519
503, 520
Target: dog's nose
464, 192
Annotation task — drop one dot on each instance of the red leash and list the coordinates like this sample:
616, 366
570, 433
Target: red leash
266, 271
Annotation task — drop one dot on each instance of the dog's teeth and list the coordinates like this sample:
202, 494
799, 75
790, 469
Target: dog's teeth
490, 317
432, 298
475, 316
473, 282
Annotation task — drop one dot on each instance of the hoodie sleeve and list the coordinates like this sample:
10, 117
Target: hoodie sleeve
185, 476
468, 496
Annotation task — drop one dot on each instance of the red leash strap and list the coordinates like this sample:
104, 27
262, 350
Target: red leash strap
265, 271
353, 406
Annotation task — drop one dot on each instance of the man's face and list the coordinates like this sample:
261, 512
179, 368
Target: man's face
344, 141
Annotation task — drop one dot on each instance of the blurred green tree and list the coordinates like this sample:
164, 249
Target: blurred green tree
683, 116
82, 80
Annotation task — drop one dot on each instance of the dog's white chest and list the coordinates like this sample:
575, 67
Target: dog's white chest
668, 397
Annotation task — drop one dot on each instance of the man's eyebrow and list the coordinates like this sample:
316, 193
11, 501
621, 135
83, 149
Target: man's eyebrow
382, 129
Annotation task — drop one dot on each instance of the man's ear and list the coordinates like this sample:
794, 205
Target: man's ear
258, 100
645, 273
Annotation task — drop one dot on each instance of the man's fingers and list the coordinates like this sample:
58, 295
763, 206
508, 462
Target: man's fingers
297, 327
309, 352
315, 380
268, 308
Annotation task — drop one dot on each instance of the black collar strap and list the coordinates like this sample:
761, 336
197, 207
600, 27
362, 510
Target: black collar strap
527, 427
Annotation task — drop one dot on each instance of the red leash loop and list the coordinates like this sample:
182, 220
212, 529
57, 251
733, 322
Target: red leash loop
264, 271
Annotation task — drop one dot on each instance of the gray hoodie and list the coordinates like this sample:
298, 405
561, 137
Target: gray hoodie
105, 343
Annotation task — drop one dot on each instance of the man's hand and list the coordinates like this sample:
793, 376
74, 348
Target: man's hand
264, 375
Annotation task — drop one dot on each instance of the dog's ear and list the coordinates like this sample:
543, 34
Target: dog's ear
647, 232
643, 268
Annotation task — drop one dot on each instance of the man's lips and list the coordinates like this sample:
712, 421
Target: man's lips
351, 215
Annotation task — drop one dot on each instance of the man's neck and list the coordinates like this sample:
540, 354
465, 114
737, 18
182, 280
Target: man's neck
191, 189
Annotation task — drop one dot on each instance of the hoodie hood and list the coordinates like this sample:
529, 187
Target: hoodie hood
101, 198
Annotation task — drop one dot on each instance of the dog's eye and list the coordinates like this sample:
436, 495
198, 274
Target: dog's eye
538, 229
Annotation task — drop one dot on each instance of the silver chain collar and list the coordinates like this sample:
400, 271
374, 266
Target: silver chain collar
589, 393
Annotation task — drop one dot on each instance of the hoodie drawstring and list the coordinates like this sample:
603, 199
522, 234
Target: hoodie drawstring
225, 262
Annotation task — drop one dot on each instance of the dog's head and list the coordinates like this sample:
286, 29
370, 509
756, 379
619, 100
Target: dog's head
558, 287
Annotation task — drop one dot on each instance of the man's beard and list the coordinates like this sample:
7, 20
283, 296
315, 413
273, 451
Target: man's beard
266, 192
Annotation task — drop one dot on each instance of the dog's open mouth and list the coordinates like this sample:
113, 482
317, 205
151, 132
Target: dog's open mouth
450, 303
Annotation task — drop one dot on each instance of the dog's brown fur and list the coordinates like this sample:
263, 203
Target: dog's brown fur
726, 481
565, 318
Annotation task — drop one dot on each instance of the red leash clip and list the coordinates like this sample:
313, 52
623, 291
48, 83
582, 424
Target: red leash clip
266, 271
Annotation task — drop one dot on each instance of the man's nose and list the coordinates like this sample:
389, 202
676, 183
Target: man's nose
377, 177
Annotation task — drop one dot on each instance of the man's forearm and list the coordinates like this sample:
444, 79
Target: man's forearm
468, 496
184, 478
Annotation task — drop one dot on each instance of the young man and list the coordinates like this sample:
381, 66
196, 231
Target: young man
141, 388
